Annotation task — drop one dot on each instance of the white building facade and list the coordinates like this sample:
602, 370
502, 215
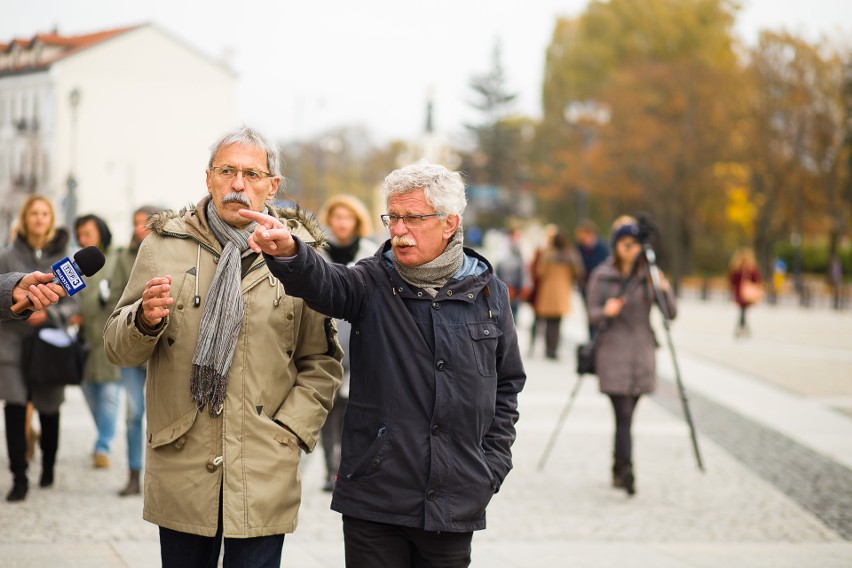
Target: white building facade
127, 114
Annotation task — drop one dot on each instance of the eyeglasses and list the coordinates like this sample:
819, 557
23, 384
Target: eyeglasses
407, 220
230, 172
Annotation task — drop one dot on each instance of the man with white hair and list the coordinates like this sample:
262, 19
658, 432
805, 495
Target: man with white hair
435, 374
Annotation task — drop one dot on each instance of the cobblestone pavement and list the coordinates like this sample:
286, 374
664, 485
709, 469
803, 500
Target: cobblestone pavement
745, 511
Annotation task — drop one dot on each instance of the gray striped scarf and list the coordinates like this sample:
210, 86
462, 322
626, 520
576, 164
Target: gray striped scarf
221, 318
432, 275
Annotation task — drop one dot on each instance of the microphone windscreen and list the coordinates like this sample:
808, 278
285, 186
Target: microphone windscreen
90, 260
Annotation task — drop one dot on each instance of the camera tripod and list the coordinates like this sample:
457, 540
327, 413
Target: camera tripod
650, 260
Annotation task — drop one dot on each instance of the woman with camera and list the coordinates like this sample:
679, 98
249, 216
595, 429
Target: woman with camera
620, 295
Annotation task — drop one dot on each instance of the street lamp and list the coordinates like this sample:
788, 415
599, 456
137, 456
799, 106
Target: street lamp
585, 115
71, 182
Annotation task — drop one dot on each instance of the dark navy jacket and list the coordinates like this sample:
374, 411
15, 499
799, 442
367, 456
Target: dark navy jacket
434, 389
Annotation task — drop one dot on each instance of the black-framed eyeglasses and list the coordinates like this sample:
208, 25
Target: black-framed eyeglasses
389, 220
230, 172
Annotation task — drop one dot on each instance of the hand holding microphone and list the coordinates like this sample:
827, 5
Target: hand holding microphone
42, 290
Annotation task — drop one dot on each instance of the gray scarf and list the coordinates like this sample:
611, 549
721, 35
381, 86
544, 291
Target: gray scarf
435, 273
221, 318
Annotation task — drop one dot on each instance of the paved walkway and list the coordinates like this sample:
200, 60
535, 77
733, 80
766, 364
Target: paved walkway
775, 434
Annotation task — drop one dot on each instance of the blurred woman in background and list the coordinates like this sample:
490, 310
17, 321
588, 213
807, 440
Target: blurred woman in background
349, 223
37, 245
556, 269
620, 296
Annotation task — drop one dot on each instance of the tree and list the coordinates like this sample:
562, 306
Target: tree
798, 142
496, 136
667, 73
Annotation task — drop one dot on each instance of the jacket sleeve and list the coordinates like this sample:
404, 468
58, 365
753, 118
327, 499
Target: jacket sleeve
318, 376
7, 284
595, 298
511, 377
331, 289
124, 342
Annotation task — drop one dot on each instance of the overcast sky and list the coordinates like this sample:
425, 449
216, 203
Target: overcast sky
308, 65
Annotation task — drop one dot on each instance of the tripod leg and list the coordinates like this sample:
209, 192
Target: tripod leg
558, 428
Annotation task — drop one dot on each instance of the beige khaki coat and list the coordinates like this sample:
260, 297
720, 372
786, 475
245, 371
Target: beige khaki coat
556, 272
285, 372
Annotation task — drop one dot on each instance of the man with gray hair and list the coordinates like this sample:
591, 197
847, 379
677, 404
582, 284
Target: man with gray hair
435, 374
240, 376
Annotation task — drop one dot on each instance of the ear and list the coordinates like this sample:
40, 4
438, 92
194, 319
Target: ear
273, 189
451, 223
208, 179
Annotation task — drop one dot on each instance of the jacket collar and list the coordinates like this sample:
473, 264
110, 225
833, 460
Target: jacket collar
191, 222
466, 289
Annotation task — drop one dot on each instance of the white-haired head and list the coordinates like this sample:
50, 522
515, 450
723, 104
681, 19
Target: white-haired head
245, 136
442, 188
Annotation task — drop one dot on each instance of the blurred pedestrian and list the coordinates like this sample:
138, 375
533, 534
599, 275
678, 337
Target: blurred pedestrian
37, 245
549, 231
593, 251
836, 279
132, 378
556, 269
620, 296
349, 223
744, 276
101, 386
240, 374
436, 373
510, 269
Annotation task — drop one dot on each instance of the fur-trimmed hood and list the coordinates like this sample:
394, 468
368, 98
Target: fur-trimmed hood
191, 221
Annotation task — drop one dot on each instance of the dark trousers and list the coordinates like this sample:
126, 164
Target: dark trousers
551, 336
184, 550
15, 416
623, 405
379, 545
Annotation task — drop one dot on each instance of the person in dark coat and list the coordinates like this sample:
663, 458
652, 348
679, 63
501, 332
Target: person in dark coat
620, 298
436, 373
38, 244
593, 251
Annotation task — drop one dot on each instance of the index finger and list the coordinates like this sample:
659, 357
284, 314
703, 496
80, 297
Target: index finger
267, 221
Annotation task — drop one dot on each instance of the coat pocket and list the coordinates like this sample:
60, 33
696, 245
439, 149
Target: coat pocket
484, 337
174, 430
372, 458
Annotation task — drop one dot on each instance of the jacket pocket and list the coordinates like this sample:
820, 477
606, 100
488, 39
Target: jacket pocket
484, 336
372, 458
474, 490
174, 430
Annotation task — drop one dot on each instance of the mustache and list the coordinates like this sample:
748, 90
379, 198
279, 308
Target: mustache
403, 241
236, 197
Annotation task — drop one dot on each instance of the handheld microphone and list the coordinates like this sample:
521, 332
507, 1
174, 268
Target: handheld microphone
69, 273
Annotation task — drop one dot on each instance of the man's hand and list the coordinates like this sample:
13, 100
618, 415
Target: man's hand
155, 301
40, 288
270, 236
